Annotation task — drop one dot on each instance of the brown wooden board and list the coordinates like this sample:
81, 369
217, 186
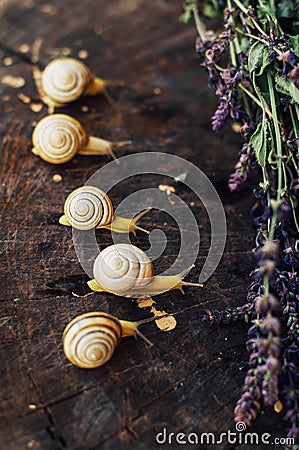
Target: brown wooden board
190, 379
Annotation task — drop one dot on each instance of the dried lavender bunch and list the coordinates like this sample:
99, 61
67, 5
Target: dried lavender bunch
253, 66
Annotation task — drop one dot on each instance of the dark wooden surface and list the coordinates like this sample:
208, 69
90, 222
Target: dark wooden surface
190, 379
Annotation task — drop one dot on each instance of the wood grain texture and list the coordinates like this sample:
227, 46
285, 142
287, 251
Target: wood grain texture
190, 379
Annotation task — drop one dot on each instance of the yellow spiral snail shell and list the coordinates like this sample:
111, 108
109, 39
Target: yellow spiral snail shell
89, 207
58, 138
125, 270
90, 339
65, 80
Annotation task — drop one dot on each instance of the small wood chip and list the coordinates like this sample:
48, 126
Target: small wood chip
24, 98
32, 407
66, 51
7, 61
84, 108
24, 48
98, 31
278, 406
48, 9
166, 188
6, 98
57, 178
83, 54
15, 82
236, 127
164, 321
36, 107
167, 323
145, 302
157, 91
35, 49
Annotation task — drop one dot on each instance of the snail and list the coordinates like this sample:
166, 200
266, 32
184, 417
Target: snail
65, 80
89, 207
58, 138
125, 270
90, 339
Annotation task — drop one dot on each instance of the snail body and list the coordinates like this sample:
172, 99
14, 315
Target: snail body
65, 80
90, 339
125, 270
89, 207
58, 138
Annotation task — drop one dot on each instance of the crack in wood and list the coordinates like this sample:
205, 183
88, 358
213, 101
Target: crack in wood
47, 411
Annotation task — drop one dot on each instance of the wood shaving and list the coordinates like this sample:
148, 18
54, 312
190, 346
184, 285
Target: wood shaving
145, 302
24, 48
83, 54
35, 49
166, 188
164, 321
36, 107
48, 9
54, 52
7, 61
15, 82
84, 108
66, 51
32, 407
24, 98
57, 178
6, 98
157, 91
278, 406
236, 127
98, 31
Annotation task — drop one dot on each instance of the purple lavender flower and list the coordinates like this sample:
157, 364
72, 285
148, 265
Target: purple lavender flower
221, 114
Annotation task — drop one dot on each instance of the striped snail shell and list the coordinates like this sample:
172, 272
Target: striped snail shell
57, 138
122, 267
90, 339
126, 270
88, 207
64, 80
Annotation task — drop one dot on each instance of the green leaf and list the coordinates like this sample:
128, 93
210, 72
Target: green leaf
181, 177
255, 57
186, 16
295, 44
294, 201
286, 9
259, 143
287, 87
262, 85
258, 58
264, 11
188, 10
265, 61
